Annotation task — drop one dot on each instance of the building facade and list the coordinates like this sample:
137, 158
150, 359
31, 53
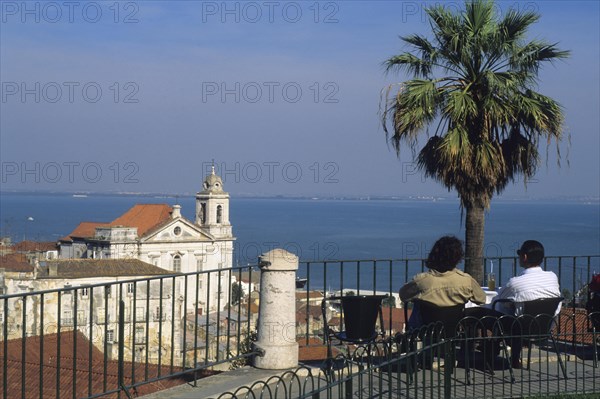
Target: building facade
158, 234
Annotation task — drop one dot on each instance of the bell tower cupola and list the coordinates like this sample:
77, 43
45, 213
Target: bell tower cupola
212, 207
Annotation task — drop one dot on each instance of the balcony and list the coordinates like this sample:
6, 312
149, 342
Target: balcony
168, 356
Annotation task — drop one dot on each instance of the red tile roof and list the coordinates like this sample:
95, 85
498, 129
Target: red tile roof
314, 350
396, 316
33, 246
312, 295
314, 311
82, 268
144, 217
16, 263
84, 230
574, 326
68, 380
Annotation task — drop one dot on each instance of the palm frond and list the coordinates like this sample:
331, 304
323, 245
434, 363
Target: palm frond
474, 78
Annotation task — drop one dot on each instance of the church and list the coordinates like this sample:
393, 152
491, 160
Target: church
159, 235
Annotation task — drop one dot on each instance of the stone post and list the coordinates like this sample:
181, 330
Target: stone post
276, 341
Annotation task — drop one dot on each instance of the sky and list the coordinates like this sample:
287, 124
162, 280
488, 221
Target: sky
281, 97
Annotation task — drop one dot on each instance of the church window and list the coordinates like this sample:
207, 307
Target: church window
130, 288
140, 336
67, 318
81, 317
203, 213
177, 230
84, 292
140, 314
100, 316
139, 353
110, 336
177, 264
219, 213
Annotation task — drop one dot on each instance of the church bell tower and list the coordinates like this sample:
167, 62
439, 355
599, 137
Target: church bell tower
212, 207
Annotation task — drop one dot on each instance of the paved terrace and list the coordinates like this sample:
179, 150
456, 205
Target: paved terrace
353, 381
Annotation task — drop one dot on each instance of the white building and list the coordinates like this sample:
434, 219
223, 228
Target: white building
148, 241
90, 303
158, 234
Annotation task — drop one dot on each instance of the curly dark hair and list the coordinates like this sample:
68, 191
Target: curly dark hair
445, 254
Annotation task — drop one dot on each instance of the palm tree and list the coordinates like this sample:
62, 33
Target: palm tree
474, 82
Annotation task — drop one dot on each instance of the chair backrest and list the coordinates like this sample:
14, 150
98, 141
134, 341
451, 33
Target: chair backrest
360, 313
538, 316
448, 316
593, 308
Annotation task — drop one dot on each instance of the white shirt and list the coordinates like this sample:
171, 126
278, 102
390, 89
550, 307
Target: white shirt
533, 283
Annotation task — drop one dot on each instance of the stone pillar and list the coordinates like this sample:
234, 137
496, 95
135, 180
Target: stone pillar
277, 311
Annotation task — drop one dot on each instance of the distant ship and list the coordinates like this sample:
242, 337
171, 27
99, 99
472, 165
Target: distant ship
79, 195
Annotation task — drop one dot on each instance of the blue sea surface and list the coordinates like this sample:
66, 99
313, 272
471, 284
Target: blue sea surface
330, 229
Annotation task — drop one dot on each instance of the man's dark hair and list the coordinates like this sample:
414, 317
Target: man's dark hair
445, 254
534, 251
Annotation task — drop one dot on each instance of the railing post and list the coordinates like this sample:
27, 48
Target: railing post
448, 367
276, 343
121, 359
121, 338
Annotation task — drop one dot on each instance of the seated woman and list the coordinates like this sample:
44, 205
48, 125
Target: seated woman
443, 285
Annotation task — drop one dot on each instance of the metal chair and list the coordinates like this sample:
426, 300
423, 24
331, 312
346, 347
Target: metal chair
359, 314
438, 322
593, 313
534, 326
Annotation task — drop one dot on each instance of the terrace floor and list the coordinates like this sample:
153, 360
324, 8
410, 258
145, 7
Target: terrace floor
543, 377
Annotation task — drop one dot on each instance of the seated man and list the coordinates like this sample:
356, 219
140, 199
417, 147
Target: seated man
533, 283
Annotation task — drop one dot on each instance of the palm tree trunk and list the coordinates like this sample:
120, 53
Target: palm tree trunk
474, 242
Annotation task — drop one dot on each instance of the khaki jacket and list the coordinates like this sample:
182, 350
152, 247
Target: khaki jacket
443, 289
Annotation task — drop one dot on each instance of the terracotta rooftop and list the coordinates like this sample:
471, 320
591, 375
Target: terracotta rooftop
73, 382
84, 230
313, 310
314, 350
16, 263
81, 268
575, 320
395, 316
246, 276
144, 217
34, 246
312, 295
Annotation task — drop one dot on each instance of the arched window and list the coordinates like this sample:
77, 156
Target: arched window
202, 213
219, 213
177, 264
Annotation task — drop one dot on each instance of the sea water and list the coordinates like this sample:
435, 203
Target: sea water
318, 230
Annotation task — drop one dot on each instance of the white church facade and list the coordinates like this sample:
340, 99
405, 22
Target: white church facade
158, 234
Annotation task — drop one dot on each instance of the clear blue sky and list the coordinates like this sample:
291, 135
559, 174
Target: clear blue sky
284, 95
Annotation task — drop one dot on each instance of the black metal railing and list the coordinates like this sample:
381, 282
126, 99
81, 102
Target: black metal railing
427, 364
386, 276
122, 335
